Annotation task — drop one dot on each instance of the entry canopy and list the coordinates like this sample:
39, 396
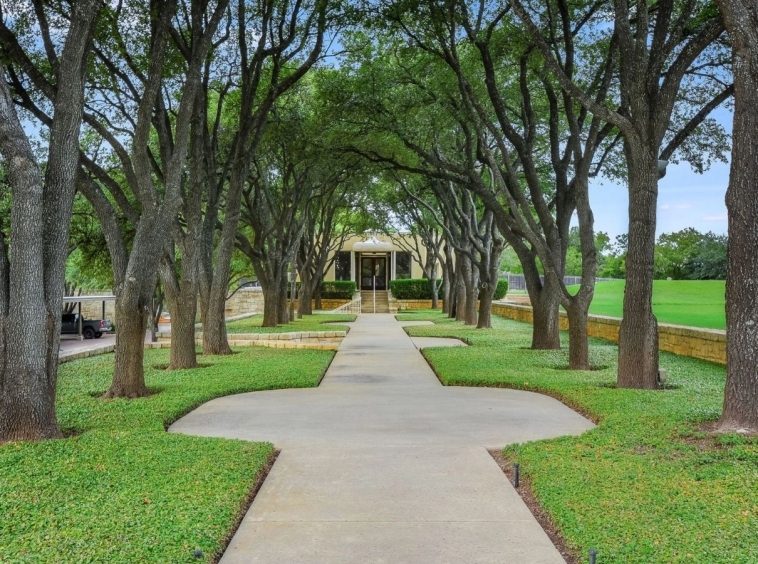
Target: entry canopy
373, 245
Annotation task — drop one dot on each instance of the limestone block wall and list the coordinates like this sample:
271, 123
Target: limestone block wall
245, 300
706, 344
416, 304
326, 304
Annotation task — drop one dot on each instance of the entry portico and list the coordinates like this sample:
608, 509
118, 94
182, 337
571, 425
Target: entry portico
363, 257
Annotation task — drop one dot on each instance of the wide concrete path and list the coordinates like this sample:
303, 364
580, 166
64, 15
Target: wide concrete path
382, 464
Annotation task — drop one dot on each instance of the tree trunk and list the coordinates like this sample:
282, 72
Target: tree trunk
741, 392
317, 297
183, 311
32, 278
213, 313
283, 312
305, 300
579, 349
270, 304
545, 299
27, 401
448, 275
129, 376
446, 294
486, 292
472, 296
638, 337
460, 288
431, 269
433, 287
546, 330
293, 296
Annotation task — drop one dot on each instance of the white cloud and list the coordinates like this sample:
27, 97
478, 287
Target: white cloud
722, 217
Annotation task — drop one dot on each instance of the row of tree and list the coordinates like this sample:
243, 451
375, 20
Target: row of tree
189, 130
198, 131
509, 110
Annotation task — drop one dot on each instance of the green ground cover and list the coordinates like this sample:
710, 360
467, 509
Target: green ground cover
316, 322
647, 485
124, 490
696, 303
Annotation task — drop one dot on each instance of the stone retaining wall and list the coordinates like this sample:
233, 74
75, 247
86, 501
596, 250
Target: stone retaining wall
416, 304
320, 340
326, 304
244, 300
706, 344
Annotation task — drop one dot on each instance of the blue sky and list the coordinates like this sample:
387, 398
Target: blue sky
685, 198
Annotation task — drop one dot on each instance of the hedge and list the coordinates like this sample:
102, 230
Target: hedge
334, 290
412, 289
418, 289
338, 289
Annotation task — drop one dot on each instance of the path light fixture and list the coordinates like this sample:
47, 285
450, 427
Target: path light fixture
662, 168
593, 555
515, 474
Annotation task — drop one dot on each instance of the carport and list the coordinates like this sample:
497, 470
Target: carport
79, 299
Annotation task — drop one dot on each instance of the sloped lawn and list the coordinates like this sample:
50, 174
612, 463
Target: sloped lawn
694, 303
122, 489
646, 486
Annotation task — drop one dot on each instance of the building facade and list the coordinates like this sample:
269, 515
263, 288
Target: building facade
373, 260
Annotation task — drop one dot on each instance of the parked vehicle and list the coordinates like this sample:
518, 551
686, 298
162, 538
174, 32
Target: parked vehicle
91, 328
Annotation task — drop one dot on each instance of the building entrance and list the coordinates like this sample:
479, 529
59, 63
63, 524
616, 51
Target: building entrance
373, 267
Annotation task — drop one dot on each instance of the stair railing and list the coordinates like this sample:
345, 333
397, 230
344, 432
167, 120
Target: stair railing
353, 306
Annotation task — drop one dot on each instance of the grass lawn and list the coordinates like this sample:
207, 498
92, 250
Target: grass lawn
124, 490
645, 486
696, 303
316, 322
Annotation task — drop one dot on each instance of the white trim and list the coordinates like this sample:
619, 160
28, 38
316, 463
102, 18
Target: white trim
393, 268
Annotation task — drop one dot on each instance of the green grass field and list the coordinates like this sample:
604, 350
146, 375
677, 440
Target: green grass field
122, 489
696, 303
316, 322
646, 486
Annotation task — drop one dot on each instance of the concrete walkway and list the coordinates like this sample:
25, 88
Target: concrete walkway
382, 464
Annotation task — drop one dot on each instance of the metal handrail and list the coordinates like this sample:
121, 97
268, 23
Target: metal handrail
349, 307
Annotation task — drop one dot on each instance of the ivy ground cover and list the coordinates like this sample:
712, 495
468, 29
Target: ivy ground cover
648, 485
121, 489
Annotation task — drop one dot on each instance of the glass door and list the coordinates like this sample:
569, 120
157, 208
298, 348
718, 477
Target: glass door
373, 267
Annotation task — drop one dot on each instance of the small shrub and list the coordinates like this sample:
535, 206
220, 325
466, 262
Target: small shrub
501, 290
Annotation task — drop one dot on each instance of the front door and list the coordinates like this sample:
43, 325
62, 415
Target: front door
373, 267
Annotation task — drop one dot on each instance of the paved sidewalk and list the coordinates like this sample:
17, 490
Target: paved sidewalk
382, 464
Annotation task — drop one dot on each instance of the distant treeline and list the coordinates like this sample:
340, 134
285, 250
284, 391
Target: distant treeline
683, 255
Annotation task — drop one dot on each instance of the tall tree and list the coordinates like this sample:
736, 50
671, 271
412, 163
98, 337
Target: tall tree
665, 55
741, 394
32, 278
